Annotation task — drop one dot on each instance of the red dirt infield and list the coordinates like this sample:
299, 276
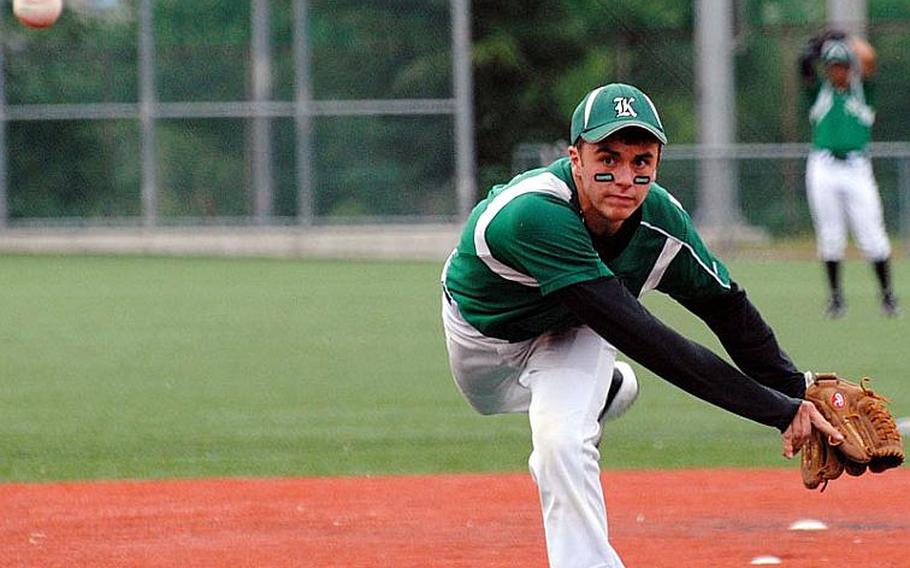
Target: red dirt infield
679, 519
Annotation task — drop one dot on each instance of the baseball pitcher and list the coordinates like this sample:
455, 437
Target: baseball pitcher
543, 290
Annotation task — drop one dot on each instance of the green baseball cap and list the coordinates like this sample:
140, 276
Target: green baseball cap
611, 108
835, 51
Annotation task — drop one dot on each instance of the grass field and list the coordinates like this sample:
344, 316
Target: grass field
130, 367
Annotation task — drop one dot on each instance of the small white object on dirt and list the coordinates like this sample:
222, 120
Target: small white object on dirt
808, 525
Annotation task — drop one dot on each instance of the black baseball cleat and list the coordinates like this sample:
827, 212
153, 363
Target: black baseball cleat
623, 392
889, 305
836, 307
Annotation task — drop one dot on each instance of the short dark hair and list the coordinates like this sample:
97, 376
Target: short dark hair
627, 135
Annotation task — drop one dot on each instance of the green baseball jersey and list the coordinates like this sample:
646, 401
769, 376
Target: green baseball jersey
841, 119
528, 239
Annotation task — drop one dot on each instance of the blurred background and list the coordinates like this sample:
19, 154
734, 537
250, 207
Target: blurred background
309, 113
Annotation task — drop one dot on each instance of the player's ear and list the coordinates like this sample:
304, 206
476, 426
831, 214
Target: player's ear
575, 154
660, 148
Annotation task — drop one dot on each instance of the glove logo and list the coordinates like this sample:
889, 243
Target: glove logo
838, 400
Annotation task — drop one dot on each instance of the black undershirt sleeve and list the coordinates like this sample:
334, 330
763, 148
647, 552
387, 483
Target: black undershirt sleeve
606, 306
749, 340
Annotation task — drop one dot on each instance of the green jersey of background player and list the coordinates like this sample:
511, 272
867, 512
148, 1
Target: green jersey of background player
840, 181
542, 291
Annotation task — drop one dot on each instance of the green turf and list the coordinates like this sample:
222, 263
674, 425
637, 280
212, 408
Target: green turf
166, 367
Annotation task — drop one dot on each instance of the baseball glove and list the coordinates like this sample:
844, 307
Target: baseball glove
871, 438
820, 462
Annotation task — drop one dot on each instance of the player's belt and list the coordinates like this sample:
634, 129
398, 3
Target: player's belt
844, 156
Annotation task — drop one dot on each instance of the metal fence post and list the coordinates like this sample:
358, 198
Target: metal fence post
848, 15
714, 72
262, 123
303, 99
148, 99
4, 209
465, 182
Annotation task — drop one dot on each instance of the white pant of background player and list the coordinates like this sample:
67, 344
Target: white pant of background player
561, 380
843, 192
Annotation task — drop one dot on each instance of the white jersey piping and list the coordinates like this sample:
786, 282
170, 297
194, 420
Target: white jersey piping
545, 182
698, 259
667, 254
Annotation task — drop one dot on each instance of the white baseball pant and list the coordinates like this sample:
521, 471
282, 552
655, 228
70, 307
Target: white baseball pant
561, 380
842, 193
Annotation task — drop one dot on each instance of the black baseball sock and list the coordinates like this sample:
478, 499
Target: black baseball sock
883, 273
832, 269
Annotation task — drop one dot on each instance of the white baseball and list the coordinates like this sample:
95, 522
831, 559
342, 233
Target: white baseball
37, 13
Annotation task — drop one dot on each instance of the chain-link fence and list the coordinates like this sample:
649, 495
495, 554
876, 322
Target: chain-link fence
290, 112
295, 112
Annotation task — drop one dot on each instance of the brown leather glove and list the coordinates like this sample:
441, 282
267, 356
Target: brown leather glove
871, 438
820, 462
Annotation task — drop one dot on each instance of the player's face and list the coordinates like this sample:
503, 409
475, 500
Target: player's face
613, 178
838, 74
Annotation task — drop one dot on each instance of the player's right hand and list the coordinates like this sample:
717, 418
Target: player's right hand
800, 428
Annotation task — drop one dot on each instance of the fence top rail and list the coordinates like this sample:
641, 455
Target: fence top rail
227, 109
247, 109
895, 149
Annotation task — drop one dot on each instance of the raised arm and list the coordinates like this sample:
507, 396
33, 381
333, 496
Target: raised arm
865, 55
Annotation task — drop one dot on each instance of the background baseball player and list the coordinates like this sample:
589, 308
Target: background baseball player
542, 290
839, 180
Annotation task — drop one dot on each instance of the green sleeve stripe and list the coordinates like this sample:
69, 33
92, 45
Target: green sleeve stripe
691, 250
667, 254
545, 183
